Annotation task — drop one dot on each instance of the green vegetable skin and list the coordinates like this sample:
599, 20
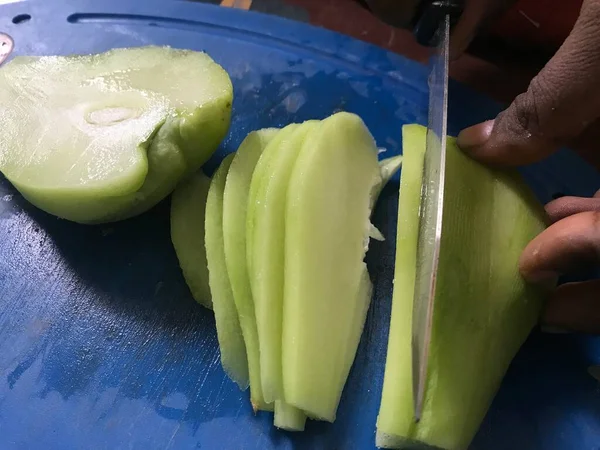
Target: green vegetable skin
326, 229
483, 309
188, 204
265, 229
235, 205
99, 138
229, 332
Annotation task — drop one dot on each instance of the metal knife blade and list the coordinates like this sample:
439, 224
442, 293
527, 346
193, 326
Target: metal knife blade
430, 215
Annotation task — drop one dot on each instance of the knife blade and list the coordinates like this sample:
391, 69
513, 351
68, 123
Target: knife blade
430, 214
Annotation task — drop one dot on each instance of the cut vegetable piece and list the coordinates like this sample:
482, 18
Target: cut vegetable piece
257, 184
235, 205
229, 332
363, 300
389, 167
266, 229
99, 138
483, 308
288, 418
188, 206
327, 225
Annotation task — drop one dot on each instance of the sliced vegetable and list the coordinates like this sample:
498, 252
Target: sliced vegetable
326, 228
188, 206
288, 418
389, 167
235, 205
99, 138
483, 309
266, 229
229, 332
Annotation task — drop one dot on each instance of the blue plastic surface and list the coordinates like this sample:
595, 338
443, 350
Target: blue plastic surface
102, 346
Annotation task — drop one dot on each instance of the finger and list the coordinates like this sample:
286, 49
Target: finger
476, 15
566, 245
574, 307
567, 206
559, 103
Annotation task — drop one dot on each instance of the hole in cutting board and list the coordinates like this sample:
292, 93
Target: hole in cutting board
21, 18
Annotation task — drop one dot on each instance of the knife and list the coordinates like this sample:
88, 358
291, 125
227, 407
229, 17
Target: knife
433, 27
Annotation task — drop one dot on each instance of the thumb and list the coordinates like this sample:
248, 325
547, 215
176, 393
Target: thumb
558, 105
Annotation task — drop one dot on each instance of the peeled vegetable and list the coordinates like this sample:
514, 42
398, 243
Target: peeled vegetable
99, 138
188, 204
483, 308
235, 205
326, 234
229, 331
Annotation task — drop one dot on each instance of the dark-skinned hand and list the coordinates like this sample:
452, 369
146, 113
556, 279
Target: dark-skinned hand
560, 106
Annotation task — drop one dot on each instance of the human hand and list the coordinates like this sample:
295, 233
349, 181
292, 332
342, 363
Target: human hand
560, 106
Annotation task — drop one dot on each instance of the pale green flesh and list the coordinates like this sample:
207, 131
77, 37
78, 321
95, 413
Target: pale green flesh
288, 418
266, 229
327, 225
258, 184
229, 332
235, 205
483, 309
188, 205
99, 138
389, 167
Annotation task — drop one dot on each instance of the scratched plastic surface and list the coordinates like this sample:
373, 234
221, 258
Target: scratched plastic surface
101, 345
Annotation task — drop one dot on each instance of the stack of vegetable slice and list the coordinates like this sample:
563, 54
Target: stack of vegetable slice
287, 227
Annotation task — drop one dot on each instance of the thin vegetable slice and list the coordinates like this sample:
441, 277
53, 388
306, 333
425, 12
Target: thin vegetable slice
288, 418
266, 230
99, 138
483, 309
235, 205
229, 332
327, 226
188, 207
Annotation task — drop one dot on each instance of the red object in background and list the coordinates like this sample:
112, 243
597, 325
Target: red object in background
538, 23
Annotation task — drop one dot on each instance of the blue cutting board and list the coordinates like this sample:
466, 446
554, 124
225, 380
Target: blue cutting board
102, 346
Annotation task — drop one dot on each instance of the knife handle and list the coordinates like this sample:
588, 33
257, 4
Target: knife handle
430, 15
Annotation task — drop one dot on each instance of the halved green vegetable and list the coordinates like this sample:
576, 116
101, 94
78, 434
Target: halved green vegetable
326, 232
99, 138
229, 332
188, 206
235, 205
483, 308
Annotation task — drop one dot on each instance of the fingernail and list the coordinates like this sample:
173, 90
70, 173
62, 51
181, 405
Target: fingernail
551, 329
475, 136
